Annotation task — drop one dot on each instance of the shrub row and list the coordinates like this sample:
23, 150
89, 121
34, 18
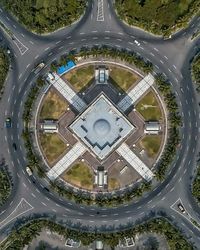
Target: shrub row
21, 237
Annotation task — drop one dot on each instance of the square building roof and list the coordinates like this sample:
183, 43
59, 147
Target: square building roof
101, 127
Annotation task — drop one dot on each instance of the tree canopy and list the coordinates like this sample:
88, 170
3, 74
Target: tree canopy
157, 16
45, 15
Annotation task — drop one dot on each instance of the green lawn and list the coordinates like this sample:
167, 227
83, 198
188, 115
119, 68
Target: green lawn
151, 144
122, 78
53, 146
45, 15
53, 106
149, 107
113, 183
80, 77
157, 16
79, 175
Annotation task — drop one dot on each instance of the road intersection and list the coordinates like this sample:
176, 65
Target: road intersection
171, 57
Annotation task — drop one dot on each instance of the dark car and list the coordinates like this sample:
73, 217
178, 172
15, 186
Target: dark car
181, 208
8, 123
15, 146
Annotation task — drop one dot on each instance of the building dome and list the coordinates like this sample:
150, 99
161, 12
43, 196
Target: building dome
102, 127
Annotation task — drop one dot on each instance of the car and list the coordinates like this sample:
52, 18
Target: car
8, 123
181, 208
136, 42
39, 67
14, 146
28, 170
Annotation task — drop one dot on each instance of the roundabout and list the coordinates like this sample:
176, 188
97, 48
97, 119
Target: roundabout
99, 123
159, 199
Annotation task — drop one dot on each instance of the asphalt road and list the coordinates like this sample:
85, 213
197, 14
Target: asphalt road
171, 57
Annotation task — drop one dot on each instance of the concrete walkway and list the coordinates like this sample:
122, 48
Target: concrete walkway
136, 92
135, 162
68, 93
66, 161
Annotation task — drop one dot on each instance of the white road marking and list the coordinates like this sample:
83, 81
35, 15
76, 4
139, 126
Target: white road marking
174, 66
100, 11
33, 195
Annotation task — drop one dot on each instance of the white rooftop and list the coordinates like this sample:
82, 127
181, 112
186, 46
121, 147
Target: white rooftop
101, 127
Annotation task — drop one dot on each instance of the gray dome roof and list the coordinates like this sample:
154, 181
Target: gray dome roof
102, 127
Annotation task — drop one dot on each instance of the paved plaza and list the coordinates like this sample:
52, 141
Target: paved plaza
100, 132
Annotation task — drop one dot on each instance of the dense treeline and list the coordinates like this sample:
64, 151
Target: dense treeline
157, 16
196, 71
5, 186
174, 124
32, 158
196, 78
196, 185
24, 235
45, 15
4, 66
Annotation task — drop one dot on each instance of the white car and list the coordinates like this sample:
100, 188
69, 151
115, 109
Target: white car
136, 42
182, 209
28, 170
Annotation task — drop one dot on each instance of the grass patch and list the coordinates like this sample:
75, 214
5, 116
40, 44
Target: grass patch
79, 175
113, 183
53, 106
151, 144
53, 146
122, 78
149, 107
160, 17
80, 77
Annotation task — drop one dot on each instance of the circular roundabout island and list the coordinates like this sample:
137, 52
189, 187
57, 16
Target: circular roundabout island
100, 126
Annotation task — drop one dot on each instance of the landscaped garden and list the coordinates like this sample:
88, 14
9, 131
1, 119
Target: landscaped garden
79, 175
149, 107
52, 145
151, 144
53, 106
160, 17
80, 77
122, 78
45, 16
